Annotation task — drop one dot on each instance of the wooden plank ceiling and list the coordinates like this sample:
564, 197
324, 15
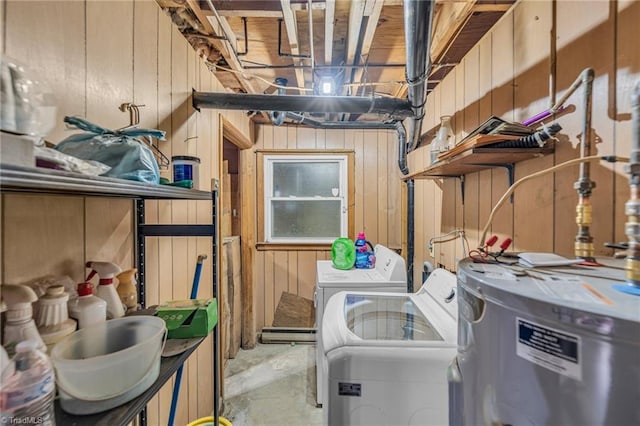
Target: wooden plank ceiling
358, 43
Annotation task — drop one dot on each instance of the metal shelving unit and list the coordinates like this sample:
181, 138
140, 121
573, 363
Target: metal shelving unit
16, 179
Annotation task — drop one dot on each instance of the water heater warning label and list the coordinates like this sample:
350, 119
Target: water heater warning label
549, 348
349, 389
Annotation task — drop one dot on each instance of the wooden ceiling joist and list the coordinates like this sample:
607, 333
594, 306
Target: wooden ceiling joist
329, 17
356, 14
449, 19
292, 34
221, 45
372, 11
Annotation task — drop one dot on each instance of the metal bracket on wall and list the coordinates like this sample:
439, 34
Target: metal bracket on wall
510, 172
461, 177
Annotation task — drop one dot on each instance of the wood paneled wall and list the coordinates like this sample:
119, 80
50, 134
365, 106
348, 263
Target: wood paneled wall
377, 207
507, 74
96, 55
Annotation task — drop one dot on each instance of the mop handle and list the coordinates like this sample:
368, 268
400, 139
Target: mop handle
176, 385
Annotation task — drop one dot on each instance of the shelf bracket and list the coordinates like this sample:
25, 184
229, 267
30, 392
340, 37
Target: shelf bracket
510, 168
461, 177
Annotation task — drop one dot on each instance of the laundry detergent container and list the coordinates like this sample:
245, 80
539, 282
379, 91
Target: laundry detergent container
107, 364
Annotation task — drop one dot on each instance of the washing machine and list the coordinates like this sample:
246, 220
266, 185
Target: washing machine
387, 355
557, 346
389, 275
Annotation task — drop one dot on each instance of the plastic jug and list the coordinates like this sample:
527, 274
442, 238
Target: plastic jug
27, 394
365, 259
127, 289
87, 308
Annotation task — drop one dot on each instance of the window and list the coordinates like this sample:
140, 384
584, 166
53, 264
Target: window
305, 197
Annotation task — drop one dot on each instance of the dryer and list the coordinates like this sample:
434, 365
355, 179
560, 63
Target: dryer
387, 355
389, 275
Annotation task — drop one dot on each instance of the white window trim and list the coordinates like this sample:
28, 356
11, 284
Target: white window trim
270, 159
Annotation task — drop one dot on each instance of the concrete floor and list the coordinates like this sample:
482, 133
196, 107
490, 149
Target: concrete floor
272, 384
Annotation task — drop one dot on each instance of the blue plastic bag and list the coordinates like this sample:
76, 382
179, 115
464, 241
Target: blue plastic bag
128, 157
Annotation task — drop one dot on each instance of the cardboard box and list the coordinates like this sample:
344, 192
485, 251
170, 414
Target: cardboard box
189, 318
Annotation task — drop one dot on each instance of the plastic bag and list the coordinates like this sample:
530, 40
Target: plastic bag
119, 149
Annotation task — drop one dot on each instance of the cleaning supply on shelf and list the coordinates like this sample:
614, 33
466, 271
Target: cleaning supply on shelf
106, 290
19, 324
52, 317
127, 289
189, 318
5, 363
186, 168
343, 253
87, 309
444, 139
27, 394
365, 259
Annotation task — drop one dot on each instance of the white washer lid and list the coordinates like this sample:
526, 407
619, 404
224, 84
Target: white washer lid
357, 318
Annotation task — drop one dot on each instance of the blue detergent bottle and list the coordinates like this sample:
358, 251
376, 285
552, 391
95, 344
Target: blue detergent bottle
365, 259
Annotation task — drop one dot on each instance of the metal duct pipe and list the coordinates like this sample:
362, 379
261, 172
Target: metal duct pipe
277, 117
402, 148
395, 108
418, 21
632, 207
397, 125
301, 119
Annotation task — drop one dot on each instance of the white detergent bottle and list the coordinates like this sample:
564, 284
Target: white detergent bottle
87, 309
106, 290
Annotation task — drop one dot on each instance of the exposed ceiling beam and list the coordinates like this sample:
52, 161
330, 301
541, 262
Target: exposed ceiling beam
251, 13
448, 21
401, 91
356, 14
292, 34
222, 46
372, 10
489, 7
329, 18
304, 6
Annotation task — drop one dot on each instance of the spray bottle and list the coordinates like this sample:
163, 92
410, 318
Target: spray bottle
19, 324
127, 289
106, 290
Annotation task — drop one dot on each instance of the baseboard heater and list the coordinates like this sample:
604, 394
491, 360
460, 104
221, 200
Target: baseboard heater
288, 334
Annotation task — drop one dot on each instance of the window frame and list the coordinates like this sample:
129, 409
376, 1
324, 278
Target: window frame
306, 156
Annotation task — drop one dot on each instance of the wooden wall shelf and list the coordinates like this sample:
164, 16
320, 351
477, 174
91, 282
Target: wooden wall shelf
476, 159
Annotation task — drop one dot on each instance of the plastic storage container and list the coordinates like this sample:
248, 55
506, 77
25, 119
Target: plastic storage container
107, 364
186, 168
365, 259
87, 308
27, 394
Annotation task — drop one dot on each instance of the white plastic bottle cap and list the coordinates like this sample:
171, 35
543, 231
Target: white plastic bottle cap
26, 346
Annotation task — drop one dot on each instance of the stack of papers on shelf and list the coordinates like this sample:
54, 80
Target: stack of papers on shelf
475, 142
493, 130
545, 259
498, 126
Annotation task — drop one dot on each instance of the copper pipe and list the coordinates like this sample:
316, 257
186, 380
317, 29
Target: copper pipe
584, 241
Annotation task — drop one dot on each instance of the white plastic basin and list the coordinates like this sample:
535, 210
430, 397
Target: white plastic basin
107, 360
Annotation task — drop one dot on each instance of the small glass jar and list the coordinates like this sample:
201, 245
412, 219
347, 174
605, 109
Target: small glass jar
444, 139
